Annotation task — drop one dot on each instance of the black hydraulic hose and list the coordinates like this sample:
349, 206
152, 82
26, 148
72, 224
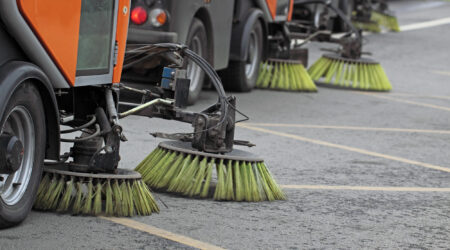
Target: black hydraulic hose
95, 134
206, 67
337, 11
88, 124
210, 72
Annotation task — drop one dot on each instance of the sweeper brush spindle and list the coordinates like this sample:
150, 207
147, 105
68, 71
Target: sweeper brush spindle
121, 194
337, 71
176, 167
285, 75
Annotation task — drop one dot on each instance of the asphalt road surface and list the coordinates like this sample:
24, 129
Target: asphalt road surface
361, 170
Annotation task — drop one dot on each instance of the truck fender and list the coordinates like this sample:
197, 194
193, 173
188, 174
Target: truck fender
241, 34
12, 74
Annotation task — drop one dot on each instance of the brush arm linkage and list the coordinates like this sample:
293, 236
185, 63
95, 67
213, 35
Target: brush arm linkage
351, 43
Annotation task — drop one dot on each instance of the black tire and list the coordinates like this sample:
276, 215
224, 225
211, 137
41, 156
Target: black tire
236, 77
25, 97
197, 41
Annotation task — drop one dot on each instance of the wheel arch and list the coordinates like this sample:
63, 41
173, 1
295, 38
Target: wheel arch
241, 30
205, 17
12, 74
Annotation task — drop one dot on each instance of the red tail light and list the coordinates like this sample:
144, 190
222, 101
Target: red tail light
138, 15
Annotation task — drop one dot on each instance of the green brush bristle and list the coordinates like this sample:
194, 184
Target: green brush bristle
245, 184
188, 177
44, 203
175, 183
43, 186
148, 197
42, 191
66, 197
284, 76
274, 189
173, 171
195, 188
265, 185
55, 194
205, 189
109, 207
97, 208
229, 190
77, 205
367, 26
117, 197
356, 75
255, 195
388, 21
144, 202
220, 191
236, 180
88, 198
94, 196
126, 199
259, 182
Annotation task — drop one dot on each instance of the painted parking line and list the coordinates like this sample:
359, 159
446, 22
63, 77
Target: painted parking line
347, 148
444, 73
401, 130
443, 97
424, 25
162, 233
367, 188
421, 104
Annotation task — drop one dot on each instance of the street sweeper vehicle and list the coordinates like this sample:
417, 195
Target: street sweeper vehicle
235, 36
60, 73
345, 67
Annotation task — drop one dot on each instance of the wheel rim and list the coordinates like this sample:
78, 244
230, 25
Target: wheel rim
252, 56
13, 186
193, 70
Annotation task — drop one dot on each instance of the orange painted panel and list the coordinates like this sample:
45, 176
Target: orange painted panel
272, 4
57, 24
291, 8
121, 37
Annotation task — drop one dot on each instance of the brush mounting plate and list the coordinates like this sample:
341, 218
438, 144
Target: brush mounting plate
186, 147
337, 57
121, 174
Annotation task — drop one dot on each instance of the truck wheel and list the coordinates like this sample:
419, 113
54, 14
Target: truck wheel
241, 76
24, 121
197, 41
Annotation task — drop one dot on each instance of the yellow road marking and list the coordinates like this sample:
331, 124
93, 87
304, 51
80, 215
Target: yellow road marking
445, 73
406, 101
365, 188
162, 233
423, 96
285, 125
352, 149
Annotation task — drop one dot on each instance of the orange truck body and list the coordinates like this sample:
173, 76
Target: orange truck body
58, 31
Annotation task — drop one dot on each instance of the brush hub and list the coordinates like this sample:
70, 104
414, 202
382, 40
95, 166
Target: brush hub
11, 154
185, 147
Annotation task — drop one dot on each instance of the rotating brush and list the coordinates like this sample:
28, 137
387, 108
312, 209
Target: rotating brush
385, 19
367, 25
176, 167
362, 73
286, 75
121, 194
